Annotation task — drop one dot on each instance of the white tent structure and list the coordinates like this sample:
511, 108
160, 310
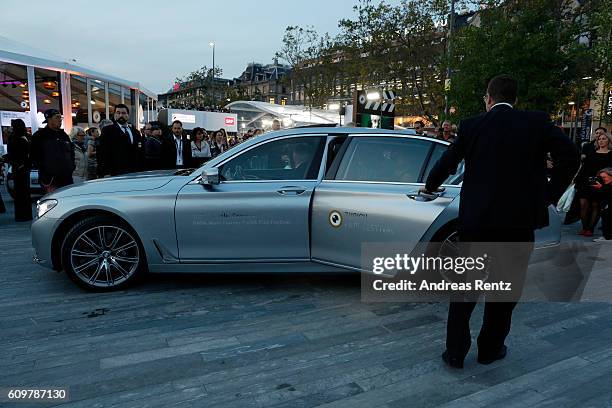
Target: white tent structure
43, 80
255, 114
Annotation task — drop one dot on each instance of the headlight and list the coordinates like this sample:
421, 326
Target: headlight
43, 207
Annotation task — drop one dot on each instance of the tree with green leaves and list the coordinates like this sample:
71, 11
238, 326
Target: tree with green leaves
308, 54
536, 41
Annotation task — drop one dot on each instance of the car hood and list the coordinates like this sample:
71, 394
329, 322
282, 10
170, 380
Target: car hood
149, 180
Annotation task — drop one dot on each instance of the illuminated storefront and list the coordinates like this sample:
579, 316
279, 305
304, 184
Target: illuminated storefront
32, 81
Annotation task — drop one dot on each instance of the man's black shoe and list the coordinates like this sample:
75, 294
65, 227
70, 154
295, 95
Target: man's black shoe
452, 361
488, 360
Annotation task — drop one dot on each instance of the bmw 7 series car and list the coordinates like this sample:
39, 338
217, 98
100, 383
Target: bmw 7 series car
296, 200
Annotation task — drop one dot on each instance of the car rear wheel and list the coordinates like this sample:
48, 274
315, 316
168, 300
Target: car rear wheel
102, 254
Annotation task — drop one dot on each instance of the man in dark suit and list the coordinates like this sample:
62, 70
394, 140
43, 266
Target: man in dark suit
176, 149
121, 146
504, 198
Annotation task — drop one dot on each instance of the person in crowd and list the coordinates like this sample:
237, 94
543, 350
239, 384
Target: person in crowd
219, 145
490, 144
276, 125
176, 150
258, 132
93, 141
447, 132
248, 135
590, 147
104, 123
604, 185
590, 199
77, 135
121, 147
19, 157
52, 153
147, 130
302, 156
200, 150
153, 148
226, 138
419, 128
231, 141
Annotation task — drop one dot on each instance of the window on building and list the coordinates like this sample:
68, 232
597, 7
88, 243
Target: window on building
98, 101
114, 97
48, 93
78, 100
14, 94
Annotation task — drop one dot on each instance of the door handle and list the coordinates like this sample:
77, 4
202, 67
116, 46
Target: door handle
421, 196
291, 190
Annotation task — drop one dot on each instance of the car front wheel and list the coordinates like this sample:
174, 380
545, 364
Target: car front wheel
103, 254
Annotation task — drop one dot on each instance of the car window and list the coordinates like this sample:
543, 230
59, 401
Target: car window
435, 156
386, 159
285, 159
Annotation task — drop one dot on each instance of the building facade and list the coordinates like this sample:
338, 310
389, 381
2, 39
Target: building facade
264, 83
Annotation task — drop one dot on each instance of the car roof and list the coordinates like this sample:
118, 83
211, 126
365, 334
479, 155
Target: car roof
356, 131
324, 130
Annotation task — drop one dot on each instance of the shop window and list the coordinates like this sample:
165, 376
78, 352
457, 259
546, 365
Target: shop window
78, 100
114, 97
14, 94
48, 95
98, 101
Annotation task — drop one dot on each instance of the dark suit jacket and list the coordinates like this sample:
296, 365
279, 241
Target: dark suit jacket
116, 155
168, 153
505, 184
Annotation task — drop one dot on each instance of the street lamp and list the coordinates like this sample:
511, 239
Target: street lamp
212, 84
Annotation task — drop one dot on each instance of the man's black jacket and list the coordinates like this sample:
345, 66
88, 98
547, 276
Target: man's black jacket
168, 153
116, 154
52, 153
505, 184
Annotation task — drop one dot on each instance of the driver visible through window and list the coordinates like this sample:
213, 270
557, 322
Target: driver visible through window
296, 158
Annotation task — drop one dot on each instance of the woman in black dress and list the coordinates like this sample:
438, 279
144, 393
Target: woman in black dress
590, 198
19, 156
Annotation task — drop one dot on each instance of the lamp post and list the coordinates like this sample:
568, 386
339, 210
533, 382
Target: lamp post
579, 106
212, 84
451, 23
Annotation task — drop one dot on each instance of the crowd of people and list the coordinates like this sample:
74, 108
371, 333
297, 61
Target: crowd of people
113, 148
116, 147
446, 132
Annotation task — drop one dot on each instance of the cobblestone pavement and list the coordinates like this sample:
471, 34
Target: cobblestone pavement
278, 340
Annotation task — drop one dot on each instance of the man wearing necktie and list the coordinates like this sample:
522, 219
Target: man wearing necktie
121, 146
176, 150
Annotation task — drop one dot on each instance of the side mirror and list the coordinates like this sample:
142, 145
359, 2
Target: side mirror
210, 176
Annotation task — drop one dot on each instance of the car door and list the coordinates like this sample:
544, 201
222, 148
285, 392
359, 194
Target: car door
370, 197
259, 211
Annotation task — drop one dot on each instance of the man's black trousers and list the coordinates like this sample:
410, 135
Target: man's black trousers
497, 314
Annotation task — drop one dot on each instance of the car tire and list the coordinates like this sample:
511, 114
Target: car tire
102, 253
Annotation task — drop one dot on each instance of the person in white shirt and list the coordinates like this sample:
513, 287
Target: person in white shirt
176, 149
200, 150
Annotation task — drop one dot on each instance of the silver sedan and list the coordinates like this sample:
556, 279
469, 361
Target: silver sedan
298, 200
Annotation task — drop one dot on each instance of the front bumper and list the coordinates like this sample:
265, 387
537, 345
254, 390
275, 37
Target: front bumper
42, 234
